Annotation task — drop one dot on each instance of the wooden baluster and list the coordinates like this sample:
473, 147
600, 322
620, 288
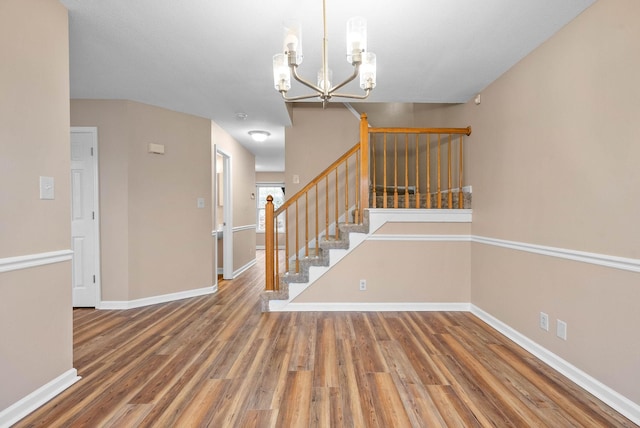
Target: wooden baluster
417, 138
364, 162
306, 224
337, 203
450, 194
406, 170
357, 180
428, 170
268, 240
439, 205
317, 225
346, 191
384, 171
286, 240
395, 171
460, 184
277, 263
297, 246
375, 170
326, 207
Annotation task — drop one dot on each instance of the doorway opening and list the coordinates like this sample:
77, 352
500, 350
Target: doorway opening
223, 213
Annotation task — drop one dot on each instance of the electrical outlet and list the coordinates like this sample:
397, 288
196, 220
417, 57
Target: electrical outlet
544, 321
561, 330
363, 284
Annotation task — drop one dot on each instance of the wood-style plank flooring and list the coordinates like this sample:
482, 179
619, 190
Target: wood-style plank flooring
218, 361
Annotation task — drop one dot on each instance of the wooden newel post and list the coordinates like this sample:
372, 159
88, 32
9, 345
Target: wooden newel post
364, 164
269, 243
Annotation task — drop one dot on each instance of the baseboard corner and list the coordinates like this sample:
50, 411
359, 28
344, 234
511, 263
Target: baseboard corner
37, 398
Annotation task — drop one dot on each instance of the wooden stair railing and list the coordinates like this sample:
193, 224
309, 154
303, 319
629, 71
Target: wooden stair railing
373, 165
420, 164
332, 198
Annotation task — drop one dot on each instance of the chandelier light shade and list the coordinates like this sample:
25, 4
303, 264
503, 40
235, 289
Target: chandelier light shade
286, 64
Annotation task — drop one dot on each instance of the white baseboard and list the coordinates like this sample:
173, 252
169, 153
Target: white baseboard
617, 401
37, 398
368, 307
244, 268
164, 298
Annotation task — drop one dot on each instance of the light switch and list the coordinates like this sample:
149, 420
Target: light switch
200, 202
296, 179
156, 148
46, 188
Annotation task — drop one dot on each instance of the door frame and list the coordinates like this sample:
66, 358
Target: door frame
227, 211
96, 207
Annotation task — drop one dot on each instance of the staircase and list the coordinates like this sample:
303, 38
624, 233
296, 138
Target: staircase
330, 251
329, 217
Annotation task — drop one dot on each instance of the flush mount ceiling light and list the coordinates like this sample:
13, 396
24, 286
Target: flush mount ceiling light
259, 136
364, 63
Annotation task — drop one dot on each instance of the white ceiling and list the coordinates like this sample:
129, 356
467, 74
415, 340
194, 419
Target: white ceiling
213, 59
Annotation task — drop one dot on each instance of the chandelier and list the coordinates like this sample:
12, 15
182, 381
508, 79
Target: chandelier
286, 64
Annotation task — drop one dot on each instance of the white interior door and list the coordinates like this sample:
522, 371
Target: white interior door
223, 196
84, 217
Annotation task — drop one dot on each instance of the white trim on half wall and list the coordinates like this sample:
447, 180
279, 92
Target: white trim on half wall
8, 264
615, 262
245, 227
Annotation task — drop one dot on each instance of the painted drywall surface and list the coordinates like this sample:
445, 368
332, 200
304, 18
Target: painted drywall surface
34, 132
154, 238
555, 162
429, 229
243, 184
35, 303
111, 119
317, 138
270, 177
401, 269
244, 248
567, 116
36, 329
169, 236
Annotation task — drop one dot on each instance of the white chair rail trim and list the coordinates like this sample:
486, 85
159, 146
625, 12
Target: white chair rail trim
615, 262
32, 260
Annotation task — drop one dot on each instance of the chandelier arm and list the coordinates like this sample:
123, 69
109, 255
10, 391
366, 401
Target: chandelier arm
299, 97
354, 97
356, 70
294, 72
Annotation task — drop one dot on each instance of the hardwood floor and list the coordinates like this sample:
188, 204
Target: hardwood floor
218, 361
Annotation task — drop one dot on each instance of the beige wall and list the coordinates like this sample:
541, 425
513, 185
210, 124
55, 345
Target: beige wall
554, 161
35, 303
243, 184
270, 177
400, 271
154, 239
317, 138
